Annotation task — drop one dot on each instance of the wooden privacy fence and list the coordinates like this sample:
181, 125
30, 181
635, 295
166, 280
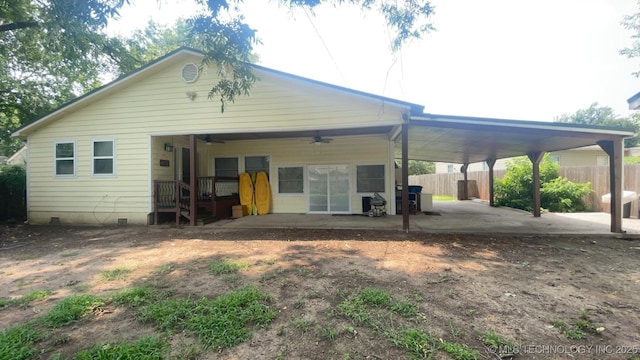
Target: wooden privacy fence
598, 176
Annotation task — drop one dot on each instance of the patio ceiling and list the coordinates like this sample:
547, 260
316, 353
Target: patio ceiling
457, 139
298, 134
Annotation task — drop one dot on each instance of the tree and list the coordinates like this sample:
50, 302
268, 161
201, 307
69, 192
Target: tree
515, 189
604, 116
52, 51
632, 22
417, 167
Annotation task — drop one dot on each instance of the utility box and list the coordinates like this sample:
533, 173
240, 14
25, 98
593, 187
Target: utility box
236, 211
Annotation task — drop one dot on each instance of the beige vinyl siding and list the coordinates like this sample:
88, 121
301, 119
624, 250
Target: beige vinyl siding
351, 150
144, 115
579, 157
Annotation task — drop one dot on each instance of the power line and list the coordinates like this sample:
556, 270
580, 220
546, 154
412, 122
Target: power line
326, 47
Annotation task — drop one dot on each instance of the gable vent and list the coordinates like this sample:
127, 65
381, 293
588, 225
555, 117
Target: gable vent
190, 73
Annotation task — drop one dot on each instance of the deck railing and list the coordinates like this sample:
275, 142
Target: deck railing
213, 193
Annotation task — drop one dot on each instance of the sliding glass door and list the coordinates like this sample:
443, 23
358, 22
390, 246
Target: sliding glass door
329, 189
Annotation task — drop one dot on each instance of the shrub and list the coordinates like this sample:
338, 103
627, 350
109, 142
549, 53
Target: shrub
13, 184
515, 189
562, 195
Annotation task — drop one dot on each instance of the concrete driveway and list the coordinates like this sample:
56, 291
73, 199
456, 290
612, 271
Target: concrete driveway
447, 217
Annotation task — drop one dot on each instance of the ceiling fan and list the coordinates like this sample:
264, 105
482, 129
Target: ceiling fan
209, 140
317, 139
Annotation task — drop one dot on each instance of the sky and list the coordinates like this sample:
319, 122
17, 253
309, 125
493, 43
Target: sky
511, 59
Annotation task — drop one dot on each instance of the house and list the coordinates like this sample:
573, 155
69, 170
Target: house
152, 144
584, 156
19, 157
96, 159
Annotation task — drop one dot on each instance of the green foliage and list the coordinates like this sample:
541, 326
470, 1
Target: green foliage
13, 179
418, 167
596, 115
632, 22
562, 195
515, 189
13, 184
225, 266
17, 343
146, 348
221, 322
422, 345
632, 160
35, 295
419, 344
136, 296
51, 52
357, 305
119, 273
572, 332
70, 310
558, 194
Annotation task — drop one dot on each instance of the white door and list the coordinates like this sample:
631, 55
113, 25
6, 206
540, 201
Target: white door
329, 189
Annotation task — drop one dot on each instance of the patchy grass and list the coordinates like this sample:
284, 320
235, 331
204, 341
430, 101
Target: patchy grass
146, 348
443, 198
35, 295
218, 323
119, 273
18, 342
71, 309
580, 329
226, 266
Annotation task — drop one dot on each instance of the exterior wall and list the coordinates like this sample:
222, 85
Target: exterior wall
20, 157
361, 150
580, 157
155, 110
591, 156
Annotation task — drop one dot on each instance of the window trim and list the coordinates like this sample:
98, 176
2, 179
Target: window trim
304, 180
113, 157
75, 159
384, 178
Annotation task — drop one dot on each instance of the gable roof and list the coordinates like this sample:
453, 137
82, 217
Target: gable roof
157, 64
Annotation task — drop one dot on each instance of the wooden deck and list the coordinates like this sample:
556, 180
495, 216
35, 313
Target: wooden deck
215, 197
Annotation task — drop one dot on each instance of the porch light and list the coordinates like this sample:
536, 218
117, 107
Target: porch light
168, 147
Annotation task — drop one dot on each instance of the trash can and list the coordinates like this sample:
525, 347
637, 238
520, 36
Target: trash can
626, 210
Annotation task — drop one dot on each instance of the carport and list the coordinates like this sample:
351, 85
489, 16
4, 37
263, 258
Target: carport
465, 140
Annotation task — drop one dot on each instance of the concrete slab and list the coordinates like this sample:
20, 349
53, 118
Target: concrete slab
446, 217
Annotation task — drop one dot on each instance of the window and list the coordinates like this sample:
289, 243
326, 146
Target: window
555, 158
291, 180
226, 167
65, 153
602, 160
253, 164
370, 178
103, 157
450, 168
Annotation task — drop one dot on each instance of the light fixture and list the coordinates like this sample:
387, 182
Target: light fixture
168, 147
207, 139
191, 95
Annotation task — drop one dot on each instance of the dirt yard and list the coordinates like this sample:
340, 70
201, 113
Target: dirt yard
464, 287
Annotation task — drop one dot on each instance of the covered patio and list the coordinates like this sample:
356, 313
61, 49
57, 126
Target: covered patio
465, 140
446, 217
